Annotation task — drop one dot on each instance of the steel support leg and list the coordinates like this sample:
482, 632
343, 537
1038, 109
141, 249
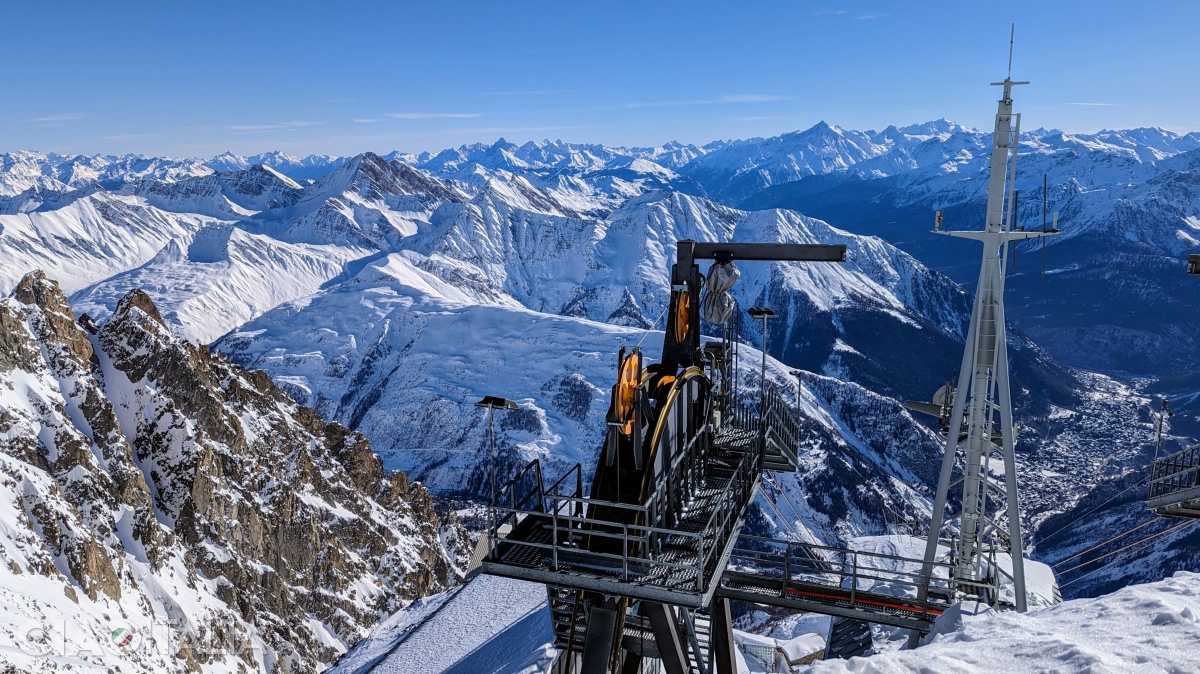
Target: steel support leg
666, 634
721, 640
599, 640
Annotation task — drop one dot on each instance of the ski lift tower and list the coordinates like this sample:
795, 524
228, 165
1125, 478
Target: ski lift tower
980, 418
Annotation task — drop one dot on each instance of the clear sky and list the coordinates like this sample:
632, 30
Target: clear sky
198, 78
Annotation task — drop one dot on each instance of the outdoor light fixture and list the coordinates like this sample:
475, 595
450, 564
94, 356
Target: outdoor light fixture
493, 403
765, 314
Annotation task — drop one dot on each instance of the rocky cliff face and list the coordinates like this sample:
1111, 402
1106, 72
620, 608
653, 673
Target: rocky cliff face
154, 492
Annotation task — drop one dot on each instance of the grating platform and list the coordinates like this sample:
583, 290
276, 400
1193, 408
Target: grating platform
1175, 484
678, 563
835, 601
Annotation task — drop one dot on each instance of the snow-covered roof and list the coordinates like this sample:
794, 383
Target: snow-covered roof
491, 624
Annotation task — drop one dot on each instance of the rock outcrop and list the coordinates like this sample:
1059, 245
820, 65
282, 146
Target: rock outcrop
168, 493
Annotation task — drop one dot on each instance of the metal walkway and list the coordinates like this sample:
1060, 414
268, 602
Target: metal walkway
554, 540
1175, 484
866, 586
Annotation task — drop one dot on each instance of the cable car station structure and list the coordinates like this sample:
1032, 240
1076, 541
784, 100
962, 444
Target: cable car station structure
645, 564
1175, 478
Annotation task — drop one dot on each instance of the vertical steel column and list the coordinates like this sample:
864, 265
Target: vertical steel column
720, 642
666, 635
599, 640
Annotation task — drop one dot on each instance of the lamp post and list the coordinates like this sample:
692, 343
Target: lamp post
765, 314
493, 403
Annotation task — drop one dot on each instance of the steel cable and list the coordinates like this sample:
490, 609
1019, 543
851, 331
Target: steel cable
1106, 542
1081, 517
1125, 556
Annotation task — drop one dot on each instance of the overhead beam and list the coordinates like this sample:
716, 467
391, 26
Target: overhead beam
780, 252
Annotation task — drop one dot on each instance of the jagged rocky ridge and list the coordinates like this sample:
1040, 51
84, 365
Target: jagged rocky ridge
150, 485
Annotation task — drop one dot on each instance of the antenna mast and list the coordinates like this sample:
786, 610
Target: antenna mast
980, 422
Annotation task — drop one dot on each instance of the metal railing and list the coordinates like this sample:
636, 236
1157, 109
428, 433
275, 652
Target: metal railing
1175, 472
776, 422
861, 577
562, 530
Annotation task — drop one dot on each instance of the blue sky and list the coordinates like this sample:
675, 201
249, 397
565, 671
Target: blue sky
199, 78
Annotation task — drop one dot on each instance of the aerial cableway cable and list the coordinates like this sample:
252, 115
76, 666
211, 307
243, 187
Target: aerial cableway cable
1126, 555
782, 518
1106, 542
1081, 517
1137, 542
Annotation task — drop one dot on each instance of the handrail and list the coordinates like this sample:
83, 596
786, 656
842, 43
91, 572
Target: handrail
1175, 472
853, 566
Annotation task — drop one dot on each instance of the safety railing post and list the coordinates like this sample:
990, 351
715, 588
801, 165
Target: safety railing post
625, 552
578, 490
699, 561
854, 579
493, 532
787, 566
554, 515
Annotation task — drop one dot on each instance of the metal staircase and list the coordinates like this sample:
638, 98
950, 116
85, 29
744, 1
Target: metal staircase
847, 638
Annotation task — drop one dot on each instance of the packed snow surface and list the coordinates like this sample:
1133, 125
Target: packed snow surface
1141, 628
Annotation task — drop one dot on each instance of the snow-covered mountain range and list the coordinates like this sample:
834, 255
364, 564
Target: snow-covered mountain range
390, 292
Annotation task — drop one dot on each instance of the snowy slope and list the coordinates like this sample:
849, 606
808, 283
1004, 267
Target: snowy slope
501, 625
1141, 628
84, 238
219, 278
491, 624
219, 249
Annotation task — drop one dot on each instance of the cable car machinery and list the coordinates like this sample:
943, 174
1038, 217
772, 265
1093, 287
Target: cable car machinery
645, 565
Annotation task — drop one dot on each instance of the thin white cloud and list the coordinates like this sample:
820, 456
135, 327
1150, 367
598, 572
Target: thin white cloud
760, 118
367, 120
433, 115
737, 98
533, 92
65, 117
861, 16
131, 136
278, 126
517, 129
1094, 105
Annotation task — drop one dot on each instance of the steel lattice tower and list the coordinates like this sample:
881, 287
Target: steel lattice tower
980, 421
